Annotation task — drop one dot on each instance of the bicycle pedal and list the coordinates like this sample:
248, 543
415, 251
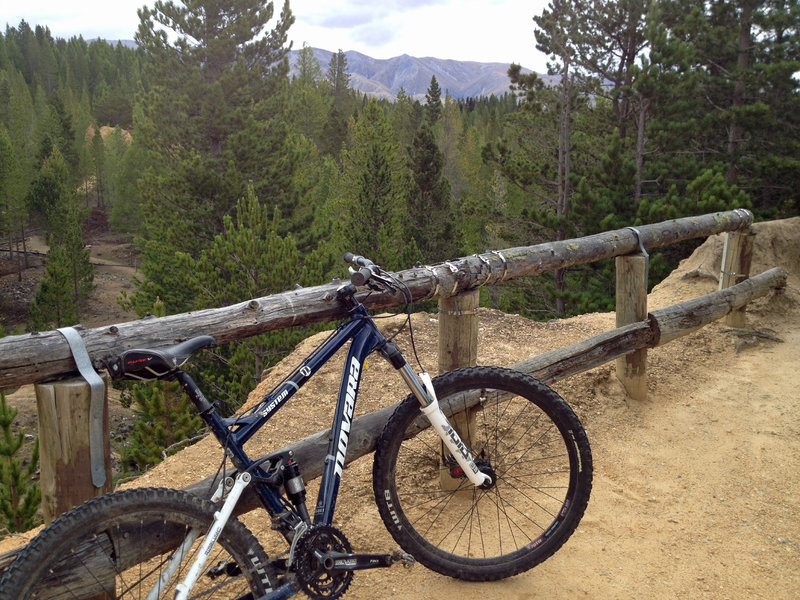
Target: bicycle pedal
403, 557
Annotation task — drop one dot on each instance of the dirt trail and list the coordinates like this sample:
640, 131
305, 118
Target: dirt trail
696, 492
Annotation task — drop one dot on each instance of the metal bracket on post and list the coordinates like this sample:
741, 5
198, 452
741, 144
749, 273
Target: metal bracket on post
97, 388
644, 253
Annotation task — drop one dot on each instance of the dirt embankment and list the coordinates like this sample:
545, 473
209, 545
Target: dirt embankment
697, 490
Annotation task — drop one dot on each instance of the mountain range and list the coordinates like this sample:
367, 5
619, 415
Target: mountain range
383, 78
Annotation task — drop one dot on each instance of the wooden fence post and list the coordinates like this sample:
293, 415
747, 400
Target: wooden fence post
631, 308
737, 255
64, 458
458, 347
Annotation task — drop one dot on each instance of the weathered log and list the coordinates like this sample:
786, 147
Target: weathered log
39, 356
682, 319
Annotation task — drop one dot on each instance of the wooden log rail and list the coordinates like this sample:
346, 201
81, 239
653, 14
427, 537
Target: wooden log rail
660, 327
39, 356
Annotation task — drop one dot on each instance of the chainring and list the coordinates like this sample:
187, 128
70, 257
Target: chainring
314, 580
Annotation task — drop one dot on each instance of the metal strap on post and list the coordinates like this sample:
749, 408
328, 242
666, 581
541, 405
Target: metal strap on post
97, 388
644, 253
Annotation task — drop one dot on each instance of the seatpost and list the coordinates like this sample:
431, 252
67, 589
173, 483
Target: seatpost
195, 393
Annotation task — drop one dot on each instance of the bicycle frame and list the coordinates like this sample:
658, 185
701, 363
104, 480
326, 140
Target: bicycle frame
233, 433
291, 518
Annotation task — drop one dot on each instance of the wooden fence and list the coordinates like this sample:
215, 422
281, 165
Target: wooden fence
65, 406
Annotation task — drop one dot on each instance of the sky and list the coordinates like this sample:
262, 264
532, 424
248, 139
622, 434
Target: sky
477, 30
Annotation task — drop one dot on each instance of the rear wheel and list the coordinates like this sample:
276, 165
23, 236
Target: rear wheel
119, 546
523, 434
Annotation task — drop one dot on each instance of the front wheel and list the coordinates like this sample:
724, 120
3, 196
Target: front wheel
520, 432
120, 546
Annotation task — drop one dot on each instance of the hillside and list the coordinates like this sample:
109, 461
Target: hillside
696, 490
383, 78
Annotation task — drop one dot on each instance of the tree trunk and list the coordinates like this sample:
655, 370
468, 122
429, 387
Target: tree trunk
736, 131
644, 107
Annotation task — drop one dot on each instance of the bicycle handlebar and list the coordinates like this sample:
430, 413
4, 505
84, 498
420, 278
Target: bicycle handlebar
366, 268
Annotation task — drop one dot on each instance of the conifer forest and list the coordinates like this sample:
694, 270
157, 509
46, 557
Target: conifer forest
237, 180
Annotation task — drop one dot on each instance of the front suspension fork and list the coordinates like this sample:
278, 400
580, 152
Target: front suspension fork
422, 388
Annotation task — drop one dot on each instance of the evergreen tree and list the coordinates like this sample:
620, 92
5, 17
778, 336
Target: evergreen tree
98, 161
539, 153
212, 119
429, 202
308, 69
338, 78
725, 98
54, 304
334, 131
249, 259
68, 275
372, 208
11, 200
20, 495
405, 118
433, 102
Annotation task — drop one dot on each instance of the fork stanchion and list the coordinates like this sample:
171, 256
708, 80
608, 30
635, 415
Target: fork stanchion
458, 347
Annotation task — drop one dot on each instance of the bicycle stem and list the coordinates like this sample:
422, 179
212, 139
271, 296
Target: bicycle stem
422, 388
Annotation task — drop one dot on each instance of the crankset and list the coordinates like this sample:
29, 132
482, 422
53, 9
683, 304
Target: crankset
324, 562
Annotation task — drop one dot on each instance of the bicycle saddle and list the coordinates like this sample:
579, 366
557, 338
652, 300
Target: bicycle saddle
147, 365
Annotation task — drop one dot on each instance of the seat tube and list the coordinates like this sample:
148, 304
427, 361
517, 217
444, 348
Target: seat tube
364, 342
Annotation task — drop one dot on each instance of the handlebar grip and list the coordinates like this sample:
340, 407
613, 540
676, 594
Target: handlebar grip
355, 259
360, 277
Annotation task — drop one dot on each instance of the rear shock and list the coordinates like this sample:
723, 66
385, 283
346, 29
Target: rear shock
296, 489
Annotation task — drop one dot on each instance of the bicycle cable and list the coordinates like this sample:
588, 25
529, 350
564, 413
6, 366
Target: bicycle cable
409, 301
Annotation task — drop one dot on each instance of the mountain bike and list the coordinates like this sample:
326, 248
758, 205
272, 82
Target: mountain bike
485, 499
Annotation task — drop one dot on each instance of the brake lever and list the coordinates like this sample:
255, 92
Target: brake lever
385, 284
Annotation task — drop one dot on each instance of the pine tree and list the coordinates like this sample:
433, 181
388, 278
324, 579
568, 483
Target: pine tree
433, 102
54, 304
338, 78
405, 118
308, 69
10, 188
725, 97
429, 201
371, 211
98, 162
249, 259
68, 276
212, 120
20, 495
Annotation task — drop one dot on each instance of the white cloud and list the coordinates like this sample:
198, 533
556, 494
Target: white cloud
479, 30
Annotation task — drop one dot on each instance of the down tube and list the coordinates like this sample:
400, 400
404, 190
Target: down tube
365, 342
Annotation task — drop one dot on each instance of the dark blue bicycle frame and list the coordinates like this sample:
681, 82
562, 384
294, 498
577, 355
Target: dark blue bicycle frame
233, 433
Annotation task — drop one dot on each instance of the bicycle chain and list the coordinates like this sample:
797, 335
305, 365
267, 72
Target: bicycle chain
314, 580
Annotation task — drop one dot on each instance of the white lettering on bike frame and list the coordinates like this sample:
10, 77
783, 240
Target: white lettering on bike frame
347, 417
